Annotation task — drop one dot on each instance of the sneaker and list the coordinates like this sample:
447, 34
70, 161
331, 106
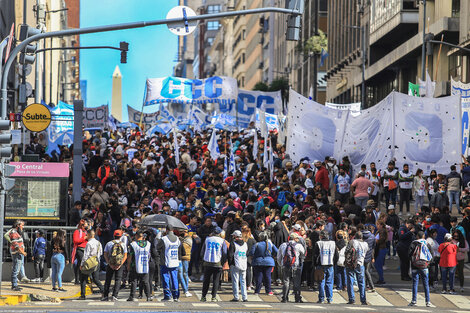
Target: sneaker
428, 304
82, 298
188, 294
214, 300
299, 301
234, 300
25, 280
395, 257
380, 282
54, 289
203, 299
364, 303
412, 304
328, 301
104, 299
283, 300
444, 291
271, 293
166, 299
61, 290
130, 299
462, 289
189, 280
176, 300
387, 257
16, 288
372, 290
245, 300
351, 302
452, 292
248, 289
114, 298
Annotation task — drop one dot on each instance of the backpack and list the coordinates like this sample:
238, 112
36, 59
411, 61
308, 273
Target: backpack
90, 265
289, 255
416, 259
117, 254
351, 257
281, 199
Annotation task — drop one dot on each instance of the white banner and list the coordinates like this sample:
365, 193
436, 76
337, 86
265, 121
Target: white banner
409, 129
95, 117
249, 101
355, 108
463, 91
221, 92
148, 119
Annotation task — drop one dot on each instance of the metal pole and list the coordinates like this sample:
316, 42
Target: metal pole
315, 67
107, 28
271, 46
2, 219
423, 48
363, 85
77, 149
50, 74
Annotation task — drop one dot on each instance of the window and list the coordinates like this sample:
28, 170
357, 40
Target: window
213, 9
213, 25
210, 40
455, 8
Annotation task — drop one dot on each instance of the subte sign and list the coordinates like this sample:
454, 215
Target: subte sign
36, 117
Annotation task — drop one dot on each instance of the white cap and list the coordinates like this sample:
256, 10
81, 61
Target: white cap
297, 227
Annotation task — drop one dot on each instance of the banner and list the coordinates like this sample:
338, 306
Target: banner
249, 101
355, 108
221, 92
95, 117
463, 91
408, 129
148, 119
60, 131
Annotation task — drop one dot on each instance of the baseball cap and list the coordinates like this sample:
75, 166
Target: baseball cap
237, 233
448, 236
391, 207
217, 230
297, 227
118, 233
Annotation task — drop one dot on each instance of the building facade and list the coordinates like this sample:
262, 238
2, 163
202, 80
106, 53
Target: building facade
393, 46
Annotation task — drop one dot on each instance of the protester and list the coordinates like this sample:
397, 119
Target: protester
39, 255
448, 263
115, 255
325, 250
420, 256
214, 254
79, 244
58, 257
354, 261
90, 264
138, 265
263, 253
238, 261
17, 251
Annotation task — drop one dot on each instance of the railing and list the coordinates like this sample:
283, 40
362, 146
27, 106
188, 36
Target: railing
31, 236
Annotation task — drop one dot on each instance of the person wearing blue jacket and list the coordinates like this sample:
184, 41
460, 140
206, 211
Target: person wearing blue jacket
39, 255
263, 253
441, 230
405, 238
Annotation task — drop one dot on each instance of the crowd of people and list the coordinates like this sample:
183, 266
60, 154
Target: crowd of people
310, 223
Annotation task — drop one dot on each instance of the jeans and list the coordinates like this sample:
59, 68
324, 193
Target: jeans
39, 265
170, 282
451, 272
262, 274
18, 260
361, 201
58, 265
380, 262
419, 200
117, 280
214, 272
326, 285
291, 274
359, 272
454, 195
183, 275
405, 196
367, 275
424, 274
390, 196
95, 277
238, 280
340, 275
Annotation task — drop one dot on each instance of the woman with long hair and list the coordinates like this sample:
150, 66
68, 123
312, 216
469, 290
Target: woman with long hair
263, 253
60, 257
419, 189
459, 240
79, 244
250, 241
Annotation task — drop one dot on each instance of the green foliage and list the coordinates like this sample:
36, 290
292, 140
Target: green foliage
261, 86
315, 43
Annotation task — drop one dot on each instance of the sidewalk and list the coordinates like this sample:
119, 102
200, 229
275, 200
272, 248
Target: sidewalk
41, 290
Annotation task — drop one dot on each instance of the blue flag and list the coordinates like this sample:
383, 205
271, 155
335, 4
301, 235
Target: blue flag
323, 55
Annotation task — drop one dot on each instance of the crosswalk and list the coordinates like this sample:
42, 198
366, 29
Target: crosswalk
383, 297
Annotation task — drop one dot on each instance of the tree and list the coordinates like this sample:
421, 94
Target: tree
261, 86
316, 43
282, 84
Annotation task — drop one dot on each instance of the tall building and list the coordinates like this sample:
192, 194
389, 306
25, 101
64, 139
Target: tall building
393, 42
116, 96
7, 19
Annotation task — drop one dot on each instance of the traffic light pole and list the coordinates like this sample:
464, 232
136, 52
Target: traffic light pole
107, 28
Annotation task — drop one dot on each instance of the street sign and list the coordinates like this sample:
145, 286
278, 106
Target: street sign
36, 117
182, 28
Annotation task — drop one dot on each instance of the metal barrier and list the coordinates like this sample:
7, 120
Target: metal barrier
30, 236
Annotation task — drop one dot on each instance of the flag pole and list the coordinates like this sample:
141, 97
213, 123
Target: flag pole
438, 58
423, 44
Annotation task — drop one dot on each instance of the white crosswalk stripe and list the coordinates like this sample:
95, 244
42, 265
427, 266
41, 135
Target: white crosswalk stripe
206, 305
198, 294
374, 298
254, 298
313, 307
101, 303
257, 305
420, 302
152, 304
461, 302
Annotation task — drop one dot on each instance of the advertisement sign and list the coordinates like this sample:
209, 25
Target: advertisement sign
36, 117
39, 193
95, 117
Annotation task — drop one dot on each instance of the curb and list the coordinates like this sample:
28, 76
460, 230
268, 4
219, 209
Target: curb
13, 299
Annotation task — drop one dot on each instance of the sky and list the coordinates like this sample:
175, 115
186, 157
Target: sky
152, 49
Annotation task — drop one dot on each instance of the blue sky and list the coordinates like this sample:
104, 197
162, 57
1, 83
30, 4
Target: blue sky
152, 50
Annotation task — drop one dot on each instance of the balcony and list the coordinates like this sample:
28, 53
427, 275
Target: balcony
399, 16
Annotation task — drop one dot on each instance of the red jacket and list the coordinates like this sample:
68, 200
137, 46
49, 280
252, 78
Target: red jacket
448, 252
322, 178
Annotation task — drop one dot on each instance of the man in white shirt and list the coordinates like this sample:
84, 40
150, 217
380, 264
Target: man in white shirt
290, 258
92, 249
358, 248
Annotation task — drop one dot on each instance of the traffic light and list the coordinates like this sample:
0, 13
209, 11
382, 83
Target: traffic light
5, 139
293, 21
124, 46
427, 38
28, 55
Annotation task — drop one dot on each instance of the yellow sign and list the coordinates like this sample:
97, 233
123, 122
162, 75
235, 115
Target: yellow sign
36, 117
